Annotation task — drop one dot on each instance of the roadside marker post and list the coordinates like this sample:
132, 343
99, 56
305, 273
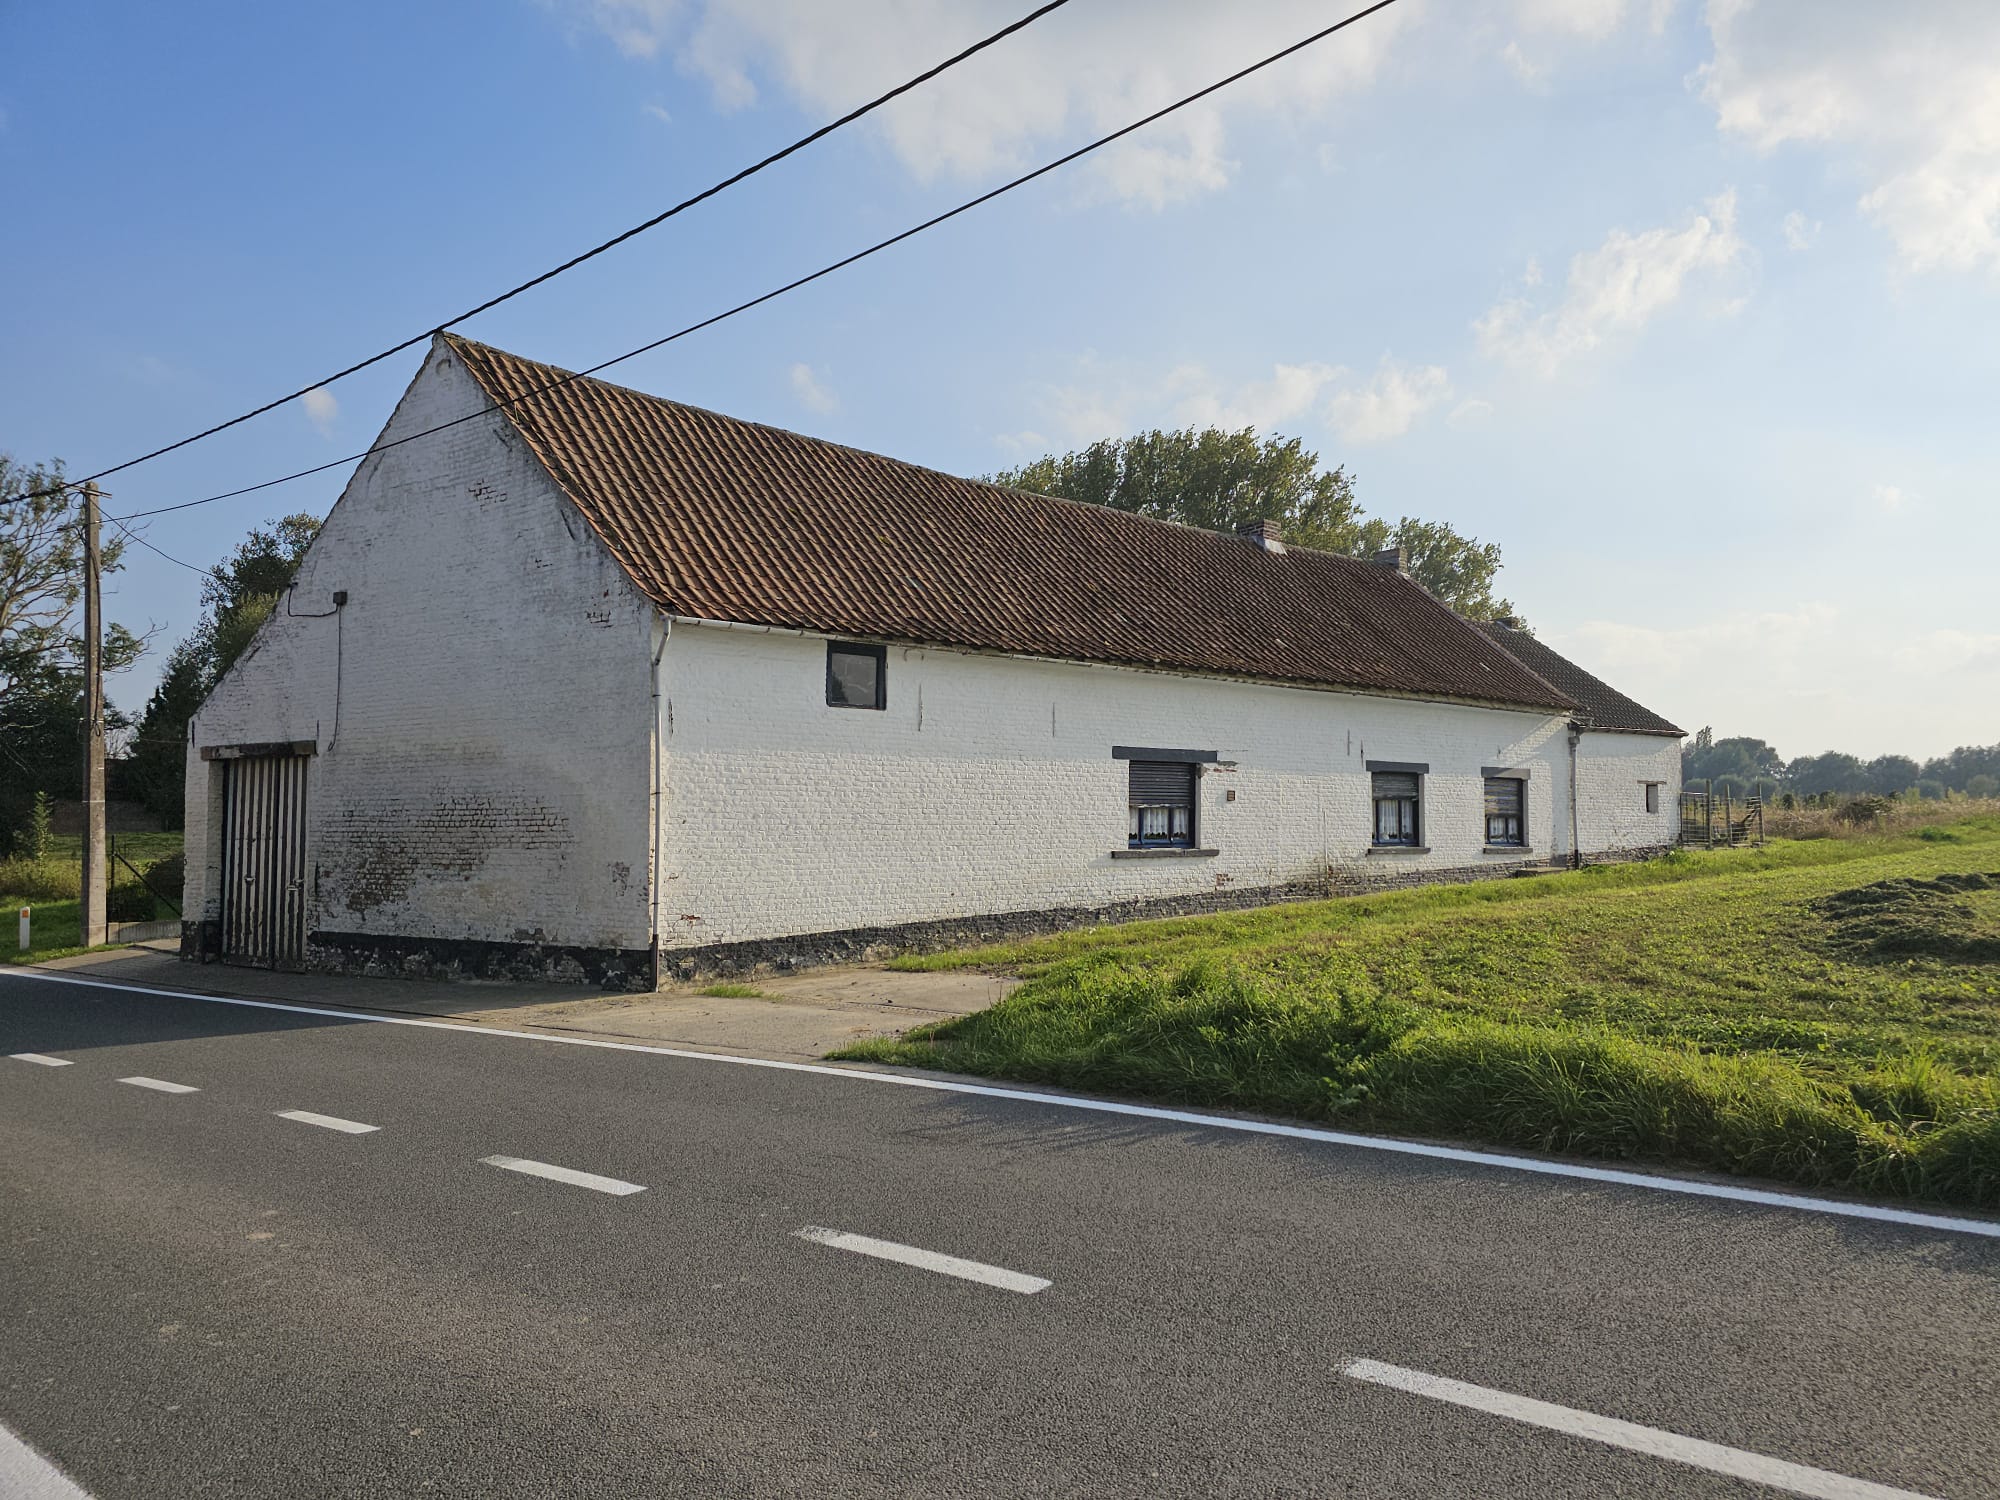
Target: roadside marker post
24, 928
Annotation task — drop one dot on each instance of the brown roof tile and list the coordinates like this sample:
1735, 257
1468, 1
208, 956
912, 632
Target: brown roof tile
1603, 706
722, 519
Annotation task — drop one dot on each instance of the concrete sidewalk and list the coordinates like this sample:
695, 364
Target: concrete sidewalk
798, 1016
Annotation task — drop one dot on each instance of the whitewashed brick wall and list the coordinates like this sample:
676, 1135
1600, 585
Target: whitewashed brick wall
988, 785
1611, 773
488, 779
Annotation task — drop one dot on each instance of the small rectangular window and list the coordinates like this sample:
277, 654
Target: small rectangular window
856, 676
1161, 804
1652, 796
1503, 811
1396, 808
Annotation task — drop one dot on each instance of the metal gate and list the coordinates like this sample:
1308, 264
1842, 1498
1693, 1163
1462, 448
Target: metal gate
264, 862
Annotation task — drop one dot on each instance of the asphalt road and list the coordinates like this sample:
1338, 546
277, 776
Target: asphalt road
200, 1297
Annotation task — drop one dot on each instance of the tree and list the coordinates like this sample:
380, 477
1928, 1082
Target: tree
1227, 480
41, 642
1890, 775
1738, 764
1831, 772
41, 580
239, 594
1983, 785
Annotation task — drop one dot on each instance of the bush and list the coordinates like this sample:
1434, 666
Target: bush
39, 880
128, 902
168, 876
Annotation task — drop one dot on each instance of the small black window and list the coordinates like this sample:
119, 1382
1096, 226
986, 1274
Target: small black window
856, 676
1396, 797
1162, 804
1652, 796
1503, 811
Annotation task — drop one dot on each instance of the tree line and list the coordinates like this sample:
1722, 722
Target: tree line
1746, 766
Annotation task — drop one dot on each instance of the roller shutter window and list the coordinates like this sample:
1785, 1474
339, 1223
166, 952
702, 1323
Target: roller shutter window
1503, 811
1397, 820
1162, 804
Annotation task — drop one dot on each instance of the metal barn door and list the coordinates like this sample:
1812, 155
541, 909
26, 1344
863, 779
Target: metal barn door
264, 862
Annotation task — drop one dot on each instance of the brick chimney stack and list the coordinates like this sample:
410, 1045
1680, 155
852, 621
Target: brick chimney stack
1397, 558
1265, 534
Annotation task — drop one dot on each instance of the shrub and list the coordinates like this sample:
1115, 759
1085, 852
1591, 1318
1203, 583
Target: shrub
33, 841
167, 876
39, 880
128, 902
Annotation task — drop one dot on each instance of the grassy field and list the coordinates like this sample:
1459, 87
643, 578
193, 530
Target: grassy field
49, 887
1826, 1012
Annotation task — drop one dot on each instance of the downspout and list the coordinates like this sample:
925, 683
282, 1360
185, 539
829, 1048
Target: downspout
655, 857
1575, 844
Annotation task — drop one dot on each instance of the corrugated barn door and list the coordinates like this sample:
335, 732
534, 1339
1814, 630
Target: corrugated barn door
264, 862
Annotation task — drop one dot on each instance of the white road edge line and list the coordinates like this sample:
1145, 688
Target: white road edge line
26, 1475
326, 1122
161, 1085
1988, 1228
1822, 1484
563, 1174
928, 1260
37, 1057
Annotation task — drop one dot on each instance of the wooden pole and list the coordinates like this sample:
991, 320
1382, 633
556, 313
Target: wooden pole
91, 908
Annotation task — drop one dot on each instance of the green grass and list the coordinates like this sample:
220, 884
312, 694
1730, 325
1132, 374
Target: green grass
731, 992
1826, 1013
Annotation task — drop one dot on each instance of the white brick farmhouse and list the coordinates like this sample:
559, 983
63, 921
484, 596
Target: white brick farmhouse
594, 684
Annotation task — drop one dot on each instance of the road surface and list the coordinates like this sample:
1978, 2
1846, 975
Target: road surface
260, 1252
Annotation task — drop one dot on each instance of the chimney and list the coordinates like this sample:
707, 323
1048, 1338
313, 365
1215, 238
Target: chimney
1265, 534
1397, 558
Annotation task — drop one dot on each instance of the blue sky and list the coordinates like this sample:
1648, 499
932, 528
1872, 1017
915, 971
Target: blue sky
1689, 307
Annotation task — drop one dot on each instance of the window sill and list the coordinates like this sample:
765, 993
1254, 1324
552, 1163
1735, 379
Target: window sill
1399, 848
1164, 853
1518, 849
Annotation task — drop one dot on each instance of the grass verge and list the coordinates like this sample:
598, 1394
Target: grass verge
1824, 1013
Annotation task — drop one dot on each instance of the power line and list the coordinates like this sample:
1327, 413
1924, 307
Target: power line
134, 536
791, 286
574, 261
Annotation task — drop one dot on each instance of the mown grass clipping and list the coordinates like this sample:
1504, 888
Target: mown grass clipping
1823, 1014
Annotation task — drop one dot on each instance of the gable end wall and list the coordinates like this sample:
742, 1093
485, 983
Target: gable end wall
482, 764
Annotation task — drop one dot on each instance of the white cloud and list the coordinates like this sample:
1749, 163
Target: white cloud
657, 112
1615, 289
321, 408
1907, 96
1816, 677
1800, 232
637, 28
1079, 72
1590, 20
1389, 404
812, 394
1892, 497
1470, 413
1110, 399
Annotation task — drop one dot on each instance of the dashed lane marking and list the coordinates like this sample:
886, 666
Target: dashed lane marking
927, 1260
1738, 1463
563, 1174
326, 1122
161, 1085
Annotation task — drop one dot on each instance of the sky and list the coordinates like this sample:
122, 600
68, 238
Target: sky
1691, 307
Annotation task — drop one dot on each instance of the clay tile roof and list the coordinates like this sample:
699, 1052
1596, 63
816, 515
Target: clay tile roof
1603, 706
721, 519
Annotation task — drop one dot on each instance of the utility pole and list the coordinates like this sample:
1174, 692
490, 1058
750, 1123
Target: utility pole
92, 906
